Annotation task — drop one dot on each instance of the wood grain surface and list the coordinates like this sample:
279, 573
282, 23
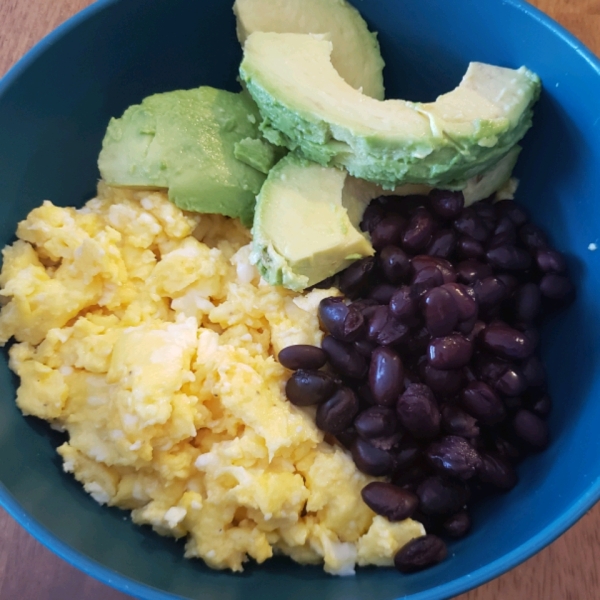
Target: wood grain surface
569, 569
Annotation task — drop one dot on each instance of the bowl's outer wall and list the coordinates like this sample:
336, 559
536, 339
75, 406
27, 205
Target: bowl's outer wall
53, 111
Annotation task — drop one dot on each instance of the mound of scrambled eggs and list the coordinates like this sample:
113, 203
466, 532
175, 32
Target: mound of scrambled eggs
146, 334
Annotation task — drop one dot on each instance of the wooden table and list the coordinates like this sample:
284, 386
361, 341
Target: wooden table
567, 570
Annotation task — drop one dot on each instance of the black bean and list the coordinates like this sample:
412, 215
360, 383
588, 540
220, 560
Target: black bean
382, 292
420, 553
505, 226
404, 304
456, 421
336, 414
450, 352
440, 496
423, 262
467, 247
418, 411
390, 501
373, 214
446, 204
346, 437
506, 342
394, 264
510, 281
406, 453
441, 312
506, 449
531, 429
302, 356
555, 287
364, 305
528, 300
469, 271
417, 342
453, 456
344, 358
486, 210
533, 237
386, 376
418, 232
470, 223
305, 388
387, 443
442, 383
343, 322
512, 382
355, 280
509, 258
365, 347
371, 460
411, 476
393, 332
512, 210
489, 292
497, 472
443, 243
550, 261
534, 372
480, 401
364, 393
376, 317
458, 525
388, 232
542, 406
465, 300
490, 368
376, 422
426, 279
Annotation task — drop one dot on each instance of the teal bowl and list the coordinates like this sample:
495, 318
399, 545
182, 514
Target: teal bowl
54, 107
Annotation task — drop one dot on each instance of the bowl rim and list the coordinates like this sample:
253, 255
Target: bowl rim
450, 589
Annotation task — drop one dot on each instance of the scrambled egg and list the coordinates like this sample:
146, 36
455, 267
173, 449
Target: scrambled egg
145, 333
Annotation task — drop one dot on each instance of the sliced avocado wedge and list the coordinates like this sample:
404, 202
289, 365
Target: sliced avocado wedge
307, 107
202, 144
356, 55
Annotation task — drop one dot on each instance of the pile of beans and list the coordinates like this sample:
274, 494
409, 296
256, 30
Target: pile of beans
428, 372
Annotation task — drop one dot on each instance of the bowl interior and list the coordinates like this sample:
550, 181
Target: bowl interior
54, 108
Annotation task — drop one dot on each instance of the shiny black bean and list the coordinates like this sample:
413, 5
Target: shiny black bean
534, 372
453, 456
388, 232
440, 496
443, 243
441, 312
344, 358
480, 401
394, 264
364, 305
450, 352
427, 279
533, 237
417, 342
386, 376
510, 281
458, 525
465, 300
355, 280
505, 226
420, 553
304, 388
489, 292
508, 238
373, 215
509, 258
418, 412
371, 460
470, 223
490, 368
531, 429
376, 422
404, 304
542, 406
555, 287
406, 453
512, 382
528, 301
446, 204
389, 500
336, 414
444, 266
345, 323
456, 421
365, 347
442, 383
531, 332
550, 261
302, 356
469, 271
382, 292
418, 232
376, 319
512, 210
506, 342
497, 471
393, 332
486, 210
467, 247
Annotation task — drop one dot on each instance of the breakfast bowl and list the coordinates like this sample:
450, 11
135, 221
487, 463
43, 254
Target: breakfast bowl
54, 109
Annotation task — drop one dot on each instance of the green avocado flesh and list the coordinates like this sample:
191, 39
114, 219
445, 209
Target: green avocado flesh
356, 55
202, 144
307, 107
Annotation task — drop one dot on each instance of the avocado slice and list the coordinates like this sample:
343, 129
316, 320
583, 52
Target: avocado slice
356, 55
203, 144
307, 107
